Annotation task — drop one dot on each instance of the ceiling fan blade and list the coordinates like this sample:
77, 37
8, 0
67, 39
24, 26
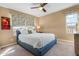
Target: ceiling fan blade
44, 10
34, 7
42, 5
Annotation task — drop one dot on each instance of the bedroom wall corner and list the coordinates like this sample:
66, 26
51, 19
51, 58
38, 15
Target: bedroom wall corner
6, 36
55, 23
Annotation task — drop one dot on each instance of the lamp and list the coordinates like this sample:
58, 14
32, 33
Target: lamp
38, 28
40, 8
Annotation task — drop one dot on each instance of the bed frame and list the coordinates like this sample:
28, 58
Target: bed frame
35, 51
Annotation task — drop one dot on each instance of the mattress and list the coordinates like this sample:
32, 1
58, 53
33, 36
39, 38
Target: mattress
37, 40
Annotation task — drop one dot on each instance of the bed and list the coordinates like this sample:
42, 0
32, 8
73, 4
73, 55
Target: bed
35, 48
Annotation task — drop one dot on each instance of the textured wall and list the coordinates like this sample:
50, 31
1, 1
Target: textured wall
21, 19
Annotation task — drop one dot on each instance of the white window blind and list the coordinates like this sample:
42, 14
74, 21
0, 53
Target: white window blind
71, 21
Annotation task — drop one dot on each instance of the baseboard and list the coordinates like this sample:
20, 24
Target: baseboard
67, 41
1, 47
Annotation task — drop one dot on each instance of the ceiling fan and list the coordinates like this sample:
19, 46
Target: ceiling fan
40, 7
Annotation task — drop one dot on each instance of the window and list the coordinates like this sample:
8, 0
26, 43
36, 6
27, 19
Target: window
71, 22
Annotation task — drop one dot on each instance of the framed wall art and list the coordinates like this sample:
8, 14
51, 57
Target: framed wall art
5, 23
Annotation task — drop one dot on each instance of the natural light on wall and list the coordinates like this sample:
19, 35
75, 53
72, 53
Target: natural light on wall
71, 22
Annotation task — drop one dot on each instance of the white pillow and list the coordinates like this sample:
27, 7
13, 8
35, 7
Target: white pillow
24, 31
31, 28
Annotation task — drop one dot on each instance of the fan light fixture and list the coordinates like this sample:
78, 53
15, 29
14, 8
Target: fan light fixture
40, 8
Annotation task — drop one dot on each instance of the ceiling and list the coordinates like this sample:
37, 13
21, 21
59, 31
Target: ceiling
25, 7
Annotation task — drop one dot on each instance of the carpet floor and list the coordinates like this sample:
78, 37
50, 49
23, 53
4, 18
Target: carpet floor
60, 49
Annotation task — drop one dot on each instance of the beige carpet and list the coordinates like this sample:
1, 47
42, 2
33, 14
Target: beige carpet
60, 49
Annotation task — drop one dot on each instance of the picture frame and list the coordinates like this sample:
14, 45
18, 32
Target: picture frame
5, 23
